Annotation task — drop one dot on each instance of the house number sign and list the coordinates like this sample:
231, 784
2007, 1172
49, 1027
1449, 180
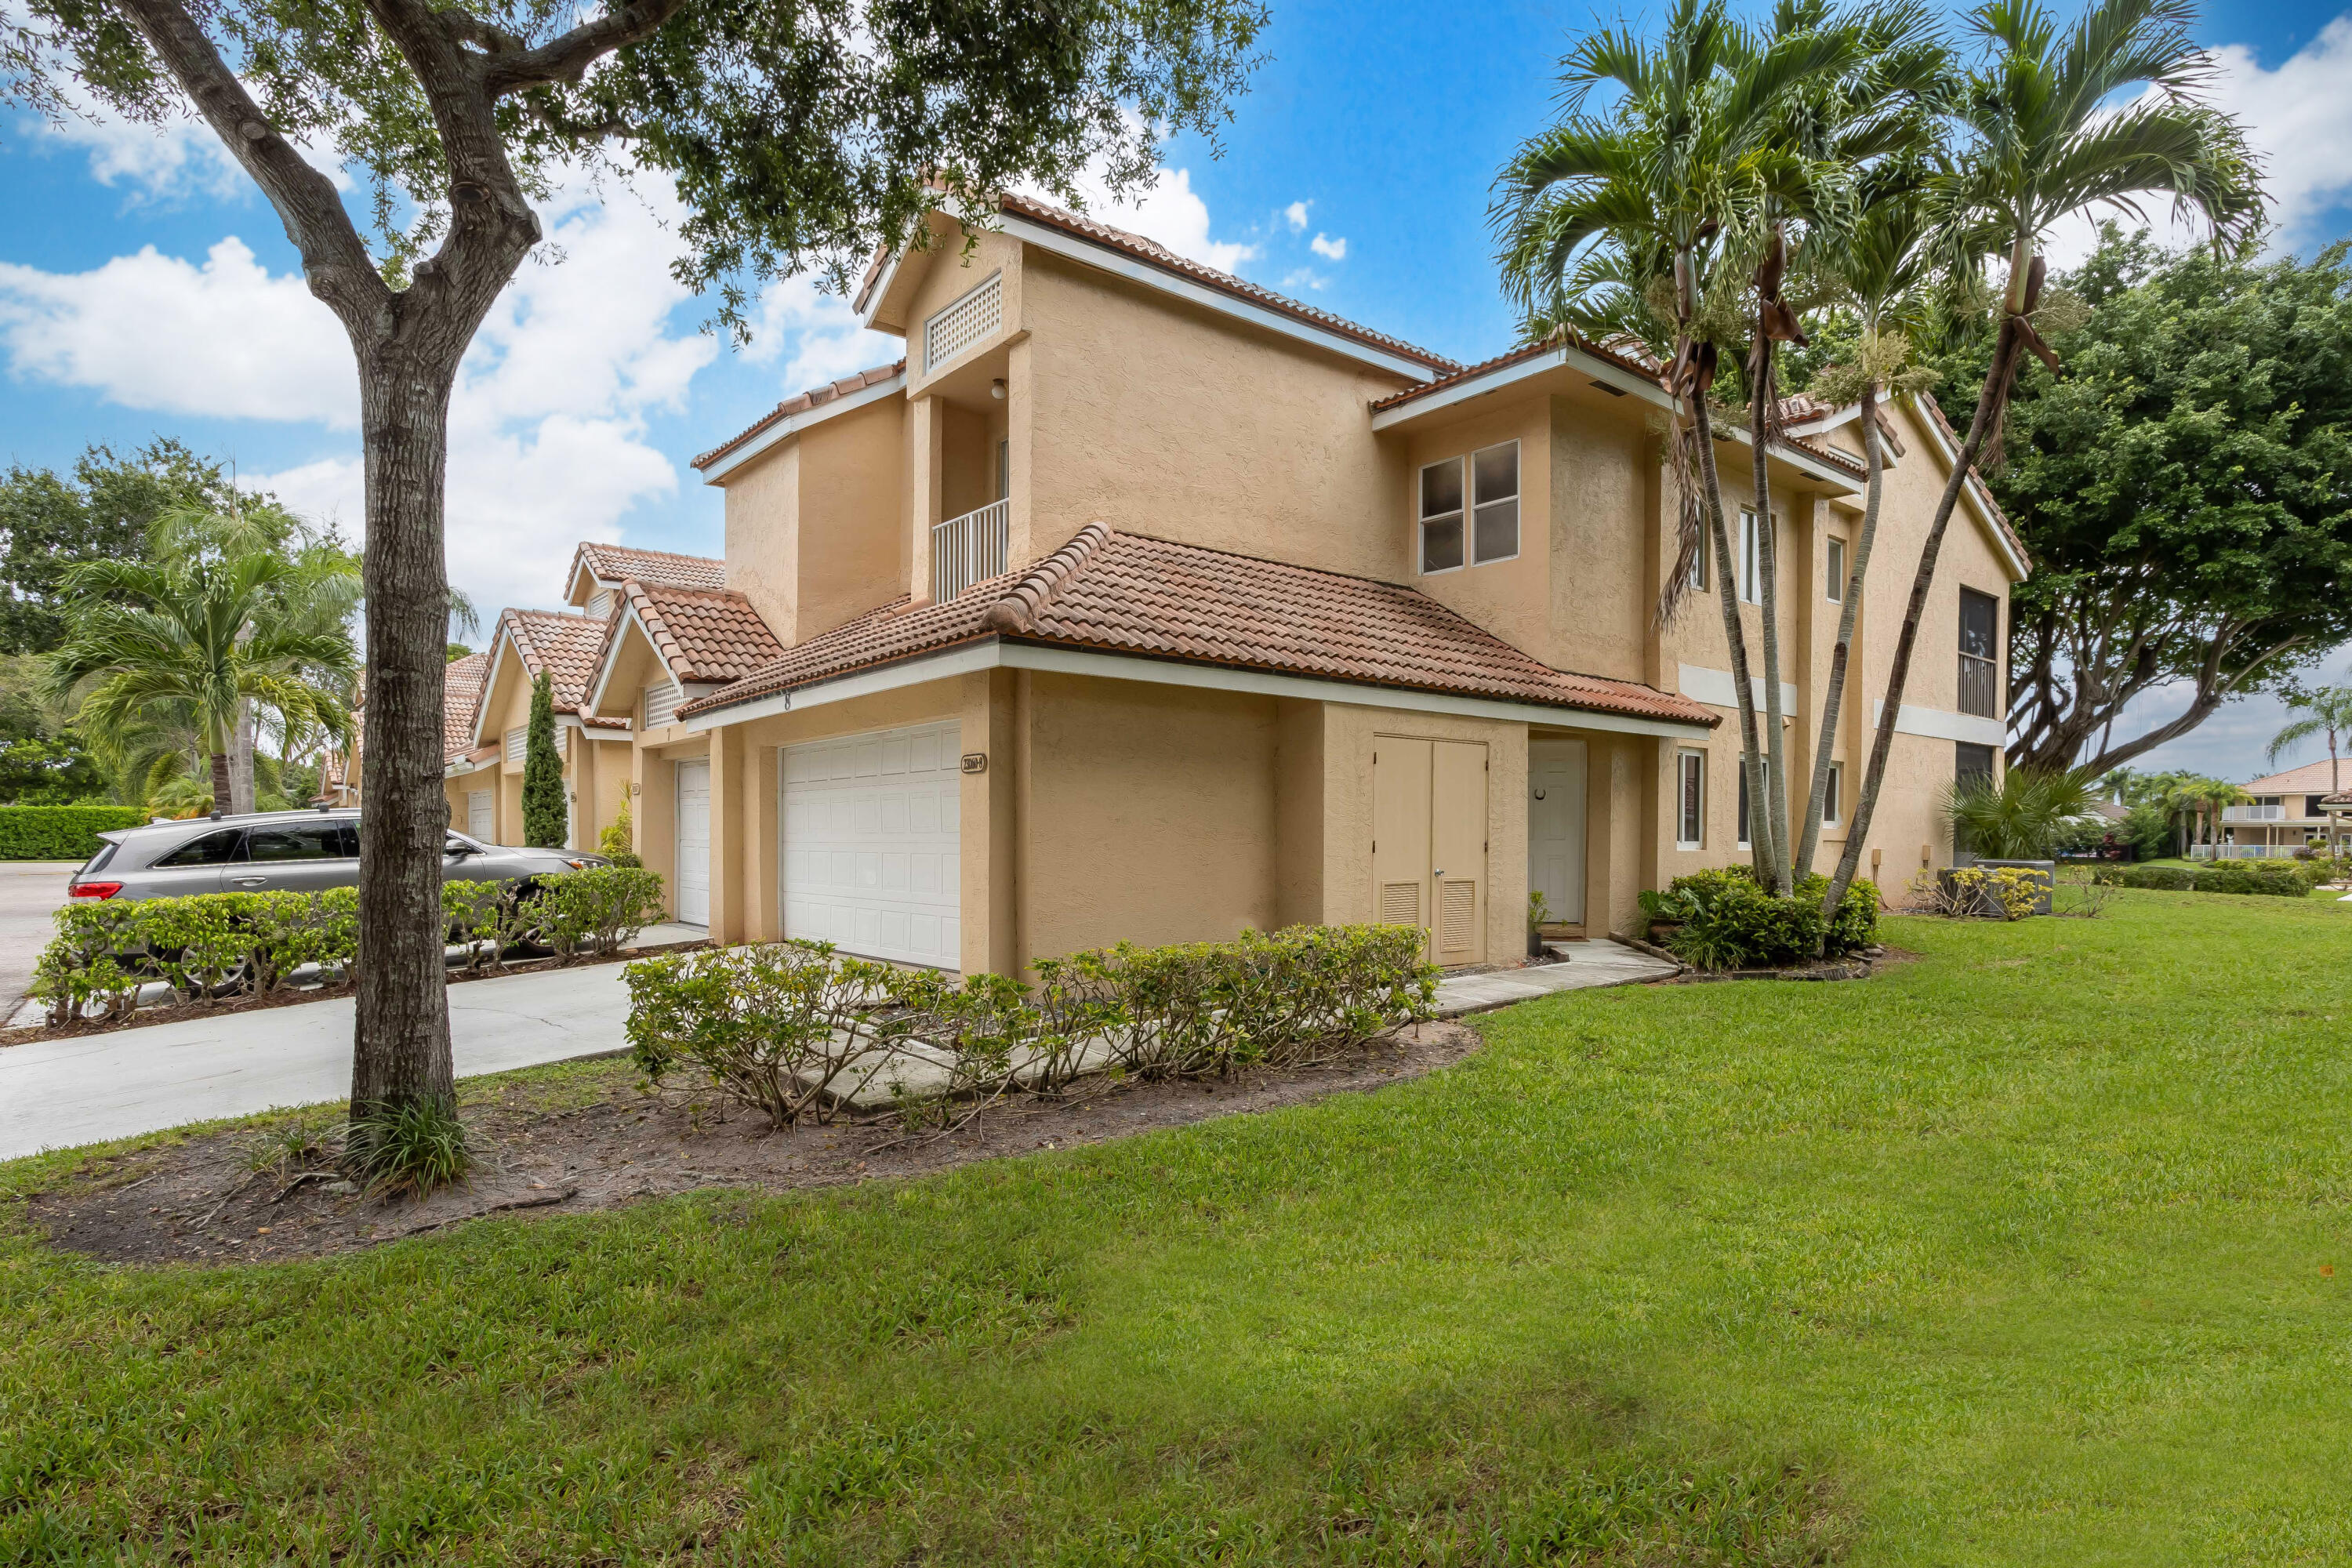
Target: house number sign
975, 761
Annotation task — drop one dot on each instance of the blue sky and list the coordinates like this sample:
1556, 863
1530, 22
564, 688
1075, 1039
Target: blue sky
145, 289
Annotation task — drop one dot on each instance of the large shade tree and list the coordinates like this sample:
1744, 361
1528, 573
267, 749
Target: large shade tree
796, 132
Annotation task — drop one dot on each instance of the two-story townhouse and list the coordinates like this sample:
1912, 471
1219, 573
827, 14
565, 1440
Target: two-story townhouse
484, 782
2286, 813
1140, 603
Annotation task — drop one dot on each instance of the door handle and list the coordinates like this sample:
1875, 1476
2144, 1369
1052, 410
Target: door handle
1439, 872
248, 882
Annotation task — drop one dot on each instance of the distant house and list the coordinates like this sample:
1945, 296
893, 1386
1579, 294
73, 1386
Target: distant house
2285, 814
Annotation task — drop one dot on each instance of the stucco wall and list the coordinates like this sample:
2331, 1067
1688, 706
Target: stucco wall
763, 535
852, 492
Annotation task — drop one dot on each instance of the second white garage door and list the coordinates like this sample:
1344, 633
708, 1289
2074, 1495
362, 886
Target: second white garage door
693, 863
871, 861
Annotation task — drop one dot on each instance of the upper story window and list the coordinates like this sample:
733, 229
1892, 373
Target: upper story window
1834, 577
973, 318
1697, 578
1751, 560
1980, 655
1488, 504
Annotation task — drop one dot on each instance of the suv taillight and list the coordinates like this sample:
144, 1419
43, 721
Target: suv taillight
93, 890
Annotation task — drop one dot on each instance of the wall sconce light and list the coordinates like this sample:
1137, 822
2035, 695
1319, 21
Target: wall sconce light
996, 389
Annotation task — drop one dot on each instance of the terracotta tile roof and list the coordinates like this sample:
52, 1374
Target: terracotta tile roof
1976, 482
701, 633
801, 402
1625, 357
1124, 593
563, 643
2310, 778
1159, 255
618, 562
461, 693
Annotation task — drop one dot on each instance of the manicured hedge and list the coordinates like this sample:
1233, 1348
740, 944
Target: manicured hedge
2274, 878
60, 832
1724, 920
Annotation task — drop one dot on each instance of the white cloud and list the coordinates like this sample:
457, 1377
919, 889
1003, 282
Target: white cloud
1170, 212
1296, 216
179, 157
1326, 248
822, 332
2298, 121
1303, 278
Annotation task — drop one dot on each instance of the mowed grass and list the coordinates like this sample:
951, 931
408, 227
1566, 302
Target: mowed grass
2034, 1251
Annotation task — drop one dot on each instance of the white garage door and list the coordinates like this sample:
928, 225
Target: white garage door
477, 816
870, 858
693, 842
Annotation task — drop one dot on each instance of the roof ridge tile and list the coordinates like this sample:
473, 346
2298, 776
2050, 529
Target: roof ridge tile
1017, 610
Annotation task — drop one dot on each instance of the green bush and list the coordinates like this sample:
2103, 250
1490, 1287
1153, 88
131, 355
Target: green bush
60, 832
2282, 879
1725, 920
795, 1030
215, 944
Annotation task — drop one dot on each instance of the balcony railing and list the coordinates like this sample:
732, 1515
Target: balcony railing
2253, 814
969, 548
2245, 851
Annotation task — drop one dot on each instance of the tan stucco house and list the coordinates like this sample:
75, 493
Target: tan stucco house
1140, 603
2288, 811
484, 780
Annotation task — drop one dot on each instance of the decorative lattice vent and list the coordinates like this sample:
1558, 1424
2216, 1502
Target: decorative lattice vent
970, 320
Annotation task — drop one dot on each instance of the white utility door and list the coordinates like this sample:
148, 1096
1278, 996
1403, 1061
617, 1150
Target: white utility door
1556, 827
479, 823
693, 864
871, 856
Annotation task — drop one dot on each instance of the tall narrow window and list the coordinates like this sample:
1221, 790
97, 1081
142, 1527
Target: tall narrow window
1980, 657
1004, 470
1743, 834
1697, 579
1833, 575
1690, 824
1833, 795
1751, 560
1441, 516
1495, 521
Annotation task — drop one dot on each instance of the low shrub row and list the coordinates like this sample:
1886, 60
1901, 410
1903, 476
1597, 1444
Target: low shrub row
60, 832
218, 944
2275, 879
1723, 918
795, 1030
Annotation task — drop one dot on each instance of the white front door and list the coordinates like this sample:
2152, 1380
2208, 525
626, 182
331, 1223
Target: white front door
693, 863
478, 824
1556, 827
870, 844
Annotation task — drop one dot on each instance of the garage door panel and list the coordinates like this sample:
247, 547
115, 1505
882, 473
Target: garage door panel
693, 862
870, 854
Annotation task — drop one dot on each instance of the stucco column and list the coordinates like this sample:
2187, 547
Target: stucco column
653, 821
988, 827
1020, 413
762, 908
580, 780
726, 840
926, 469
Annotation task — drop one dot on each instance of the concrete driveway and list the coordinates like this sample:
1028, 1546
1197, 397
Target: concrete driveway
30, 890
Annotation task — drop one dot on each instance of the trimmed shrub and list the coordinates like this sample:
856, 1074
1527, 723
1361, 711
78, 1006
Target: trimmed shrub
2278, 879
598, 910
1725, 920
60, 832
795, 1030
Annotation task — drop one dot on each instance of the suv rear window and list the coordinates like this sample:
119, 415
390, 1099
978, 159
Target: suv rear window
213, 849
97, 861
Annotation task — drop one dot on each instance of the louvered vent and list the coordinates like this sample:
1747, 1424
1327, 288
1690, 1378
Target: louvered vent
970, 320
518, 740
1400, 903
599, 604
1457, 914
661, 704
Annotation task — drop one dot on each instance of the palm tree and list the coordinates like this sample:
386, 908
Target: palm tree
2023, 818
2204, 799
197, 632
2326, 710
2040, 145
1636, 220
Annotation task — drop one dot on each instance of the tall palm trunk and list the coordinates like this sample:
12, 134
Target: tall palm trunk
1773, 842
221, 798
1996, 395
1842, 653
1735, 637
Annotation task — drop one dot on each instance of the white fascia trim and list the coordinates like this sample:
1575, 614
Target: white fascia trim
881, 290
490, 678
1202, 678
1717, 689
580, 569
1804, 462
460, 768
613, 655
2019, 569
1565, 357
793, 424
1940, 724
1088, 254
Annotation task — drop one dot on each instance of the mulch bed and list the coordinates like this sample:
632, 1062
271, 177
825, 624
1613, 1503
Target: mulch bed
202, 1200
291, 997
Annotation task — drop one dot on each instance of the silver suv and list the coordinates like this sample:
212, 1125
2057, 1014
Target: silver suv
272, 851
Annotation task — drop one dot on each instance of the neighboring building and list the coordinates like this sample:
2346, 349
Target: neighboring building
2286, 813
1140, 603
485, 781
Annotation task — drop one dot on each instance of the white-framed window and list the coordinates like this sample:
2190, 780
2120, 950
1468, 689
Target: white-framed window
1696, 581
1441, 516
1494, 510
1690, 800
1751, 559
1833, 797
1468, 509
1834, 578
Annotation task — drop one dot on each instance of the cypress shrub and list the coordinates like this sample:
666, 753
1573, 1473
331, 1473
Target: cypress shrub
544, 820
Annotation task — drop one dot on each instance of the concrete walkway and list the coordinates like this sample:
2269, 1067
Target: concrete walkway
30, 892
1589, 963
58, 1093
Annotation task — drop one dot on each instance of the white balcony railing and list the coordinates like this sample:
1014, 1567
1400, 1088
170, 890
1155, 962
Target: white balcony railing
968, 549
2245, 851
2253, 814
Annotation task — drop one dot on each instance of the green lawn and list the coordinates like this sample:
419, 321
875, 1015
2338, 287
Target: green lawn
2035, 1251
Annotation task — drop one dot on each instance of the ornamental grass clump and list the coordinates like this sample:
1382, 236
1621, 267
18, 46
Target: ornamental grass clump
407, 1147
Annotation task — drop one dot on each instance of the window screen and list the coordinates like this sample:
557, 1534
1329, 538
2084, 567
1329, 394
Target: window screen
1495, 474
1979, 661
1441, 516
1693, 792
1834, 579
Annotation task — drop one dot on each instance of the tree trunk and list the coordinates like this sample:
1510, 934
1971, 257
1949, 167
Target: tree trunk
1726, 589
240, 759
1898, 675
400, 1047
1826, 743
220, 781
1780, 871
